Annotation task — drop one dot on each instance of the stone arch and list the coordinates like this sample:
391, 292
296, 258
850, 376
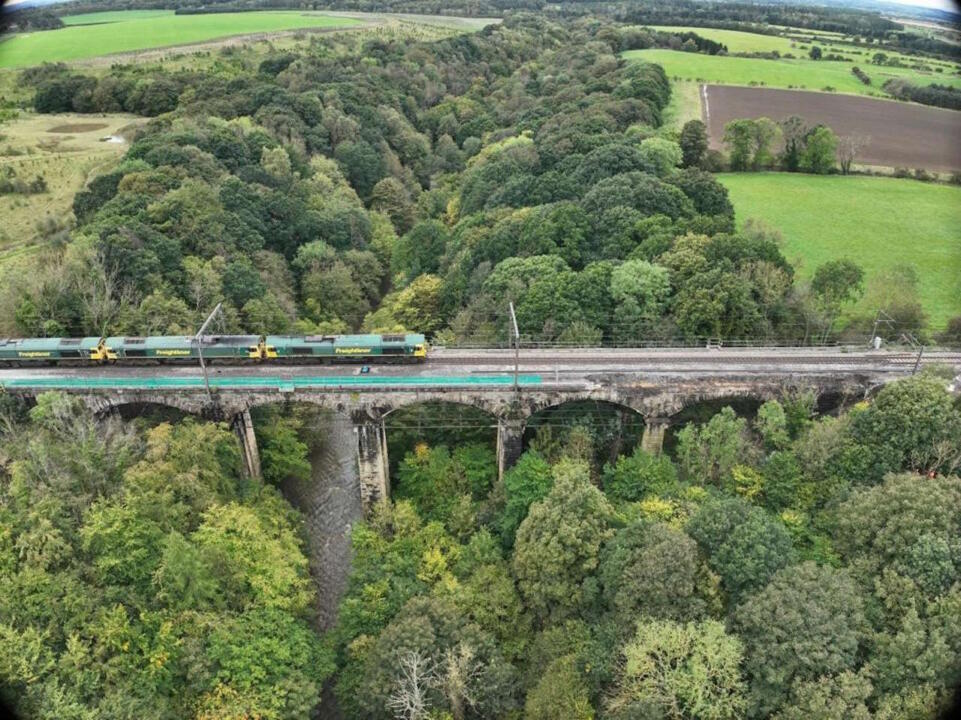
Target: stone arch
700, 402
374, 404
437, 420
544, 401
486, 411
617, 424
124, 403
495, 402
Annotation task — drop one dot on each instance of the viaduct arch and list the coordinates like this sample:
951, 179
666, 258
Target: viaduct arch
365, 410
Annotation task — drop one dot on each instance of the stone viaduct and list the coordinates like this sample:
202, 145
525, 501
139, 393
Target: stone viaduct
656, 399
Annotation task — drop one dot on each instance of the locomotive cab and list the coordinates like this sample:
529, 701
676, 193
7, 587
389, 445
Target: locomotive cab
263, 350
102, 353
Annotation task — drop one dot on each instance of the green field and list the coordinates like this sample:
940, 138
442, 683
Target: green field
783, 73
738, 41
66, 149
117, 32
877, 222
112, 16
684, 105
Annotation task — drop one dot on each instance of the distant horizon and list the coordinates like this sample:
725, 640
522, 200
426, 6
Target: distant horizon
946, 5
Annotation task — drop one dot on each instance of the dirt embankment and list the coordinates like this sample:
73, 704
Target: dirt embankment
898, 134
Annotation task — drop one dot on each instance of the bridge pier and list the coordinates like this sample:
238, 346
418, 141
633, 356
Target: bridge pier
652, 441
510, 443
372, 462
244, 427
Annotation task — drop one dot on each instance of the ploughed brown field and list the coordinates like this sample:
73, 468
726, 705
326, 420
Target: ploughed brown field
901, 134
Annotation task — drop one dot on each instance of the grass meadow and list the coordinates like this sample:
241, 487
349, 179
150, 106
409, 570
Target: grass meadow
94, 34
684, 105
803, 74
877, 222
66, 149
738, 41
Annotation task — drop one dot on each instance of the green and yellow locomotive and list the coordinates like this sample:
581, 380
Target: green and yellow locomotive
165, 349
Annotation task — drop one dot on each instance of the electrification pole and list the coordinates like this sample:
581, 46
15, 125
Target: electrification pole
200, 347
887, 319
517, 346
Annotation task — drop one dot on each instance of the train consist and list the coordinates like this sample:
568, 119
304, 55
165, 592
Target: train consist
214, 348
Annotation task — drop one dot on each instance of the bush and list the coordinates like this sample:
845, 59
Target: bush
952, 333
861, 75
11, 184
640, 474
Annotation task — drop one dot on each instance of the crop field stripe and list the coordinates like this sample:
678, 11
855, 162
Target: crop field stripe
169, 383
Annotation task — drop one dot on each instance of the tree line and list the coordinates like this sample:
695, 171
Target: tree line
944, 96
790, 144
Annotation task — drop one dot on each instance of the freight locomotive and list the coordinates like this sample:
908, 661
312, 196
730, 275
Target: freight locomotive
214, 348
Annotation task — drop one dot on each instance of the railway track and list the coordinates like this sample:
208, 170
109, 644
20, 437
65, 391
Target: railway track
567, 363
704, 357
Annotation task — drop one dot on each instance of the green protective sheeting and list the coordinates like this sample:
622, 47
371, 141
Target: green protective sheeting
278, 383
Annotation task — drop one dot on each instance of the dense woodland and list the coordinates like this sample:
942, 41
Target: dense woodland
420, 186
783, 566
788, 567
143, 577
774, 562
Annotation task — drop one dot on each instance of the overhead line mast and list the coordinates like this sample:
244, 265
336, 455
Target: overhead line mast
517, 346
200, 347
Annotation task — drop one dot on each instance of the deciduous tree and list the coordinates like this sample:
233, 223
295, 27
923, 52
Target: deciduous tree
808, 622
558, 545
651, 570
680, 671
820, 149
693, 142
